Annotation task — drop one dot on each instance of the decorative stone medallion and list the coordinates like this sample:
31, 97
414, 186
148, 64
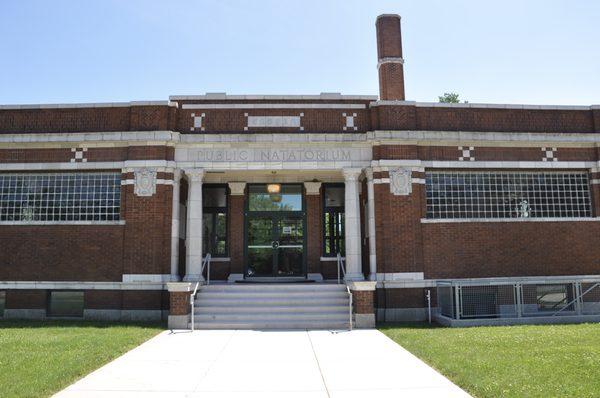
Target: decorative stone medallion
401, 181
145, 182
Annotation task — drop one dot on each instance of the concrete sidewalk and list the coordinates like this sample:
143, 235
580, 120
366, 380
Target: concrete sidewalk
361, 363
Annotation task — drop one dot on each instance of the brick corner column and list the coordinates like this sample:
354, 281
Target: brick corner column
371, 225
179, 304
176, 211
363, 303
314, 229
237, 192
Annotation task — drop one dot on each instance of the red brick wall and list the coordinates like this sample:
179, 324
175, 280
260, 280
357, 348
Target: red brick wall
385, 117
61, 252
363, 301
107, 154
26, 299
236, 233
79, 120
103, 299
402, 298
398, 226
496, 249
480, 153
313, 121
314, 232
147, 235
179, 303
410, 117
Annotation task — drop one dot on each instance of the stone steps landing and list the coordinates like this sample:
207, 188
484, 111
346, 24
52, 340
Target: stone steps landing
272, 306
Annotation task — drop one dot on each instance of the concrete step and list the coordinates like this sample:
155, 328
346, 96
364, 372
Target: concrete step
262, 310
272, 306
270, 294
274, 325
273, 316
264, 287
270, 302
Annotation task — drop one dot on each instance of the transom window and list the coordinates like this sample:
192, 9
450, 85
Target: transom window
482, 194
333, 220
60, 196
214, 220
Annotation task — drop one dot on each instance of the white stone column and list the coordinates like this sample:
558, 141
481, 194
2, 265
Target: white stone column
175, 226
352, 225
193, 260
371, 225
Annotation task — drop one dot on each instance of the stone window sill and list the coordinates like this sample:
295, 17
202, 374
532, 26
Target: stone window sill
532, 219
119, 222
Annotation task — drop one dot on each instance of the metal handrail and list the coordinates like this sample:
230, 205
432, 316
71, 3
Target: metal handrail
340, 266
205, 264
576, 299
349, 305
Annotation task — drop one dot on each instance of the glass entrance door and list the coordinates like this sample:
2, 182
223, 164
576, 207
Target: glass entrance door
275, 232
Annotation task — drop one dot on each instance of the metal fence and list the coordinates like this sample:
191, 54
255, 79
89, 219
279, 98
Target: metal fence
516, 298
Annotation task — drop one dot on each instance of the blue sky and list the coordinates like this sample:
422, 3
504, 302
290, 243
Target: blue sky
537, 52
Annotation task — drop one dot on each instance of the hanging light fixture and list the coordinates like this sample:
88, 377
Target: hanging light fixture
273, 188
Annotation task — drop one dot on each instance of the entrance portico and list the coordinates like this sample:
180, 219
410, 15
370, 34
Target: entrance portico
284, 237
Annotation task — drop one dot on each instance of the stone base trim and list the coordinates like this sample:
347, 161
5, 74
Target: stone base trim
25, 313
538, 320
364, 321
154, 278
91, 314
400, 276
178, 322
403, 314
68, 285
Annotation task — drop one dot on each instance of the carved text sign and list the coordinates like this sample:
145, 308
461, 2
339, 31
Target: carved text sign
273, 155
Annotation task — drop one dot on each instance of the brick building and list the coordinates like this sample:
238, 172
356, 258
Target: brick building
108, 210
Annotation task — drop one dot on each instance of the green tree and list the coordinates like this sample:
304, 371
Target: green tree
449, 98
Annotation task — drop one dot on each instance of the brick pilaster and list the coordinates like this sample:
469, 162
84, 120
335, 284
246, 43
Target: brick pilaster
236, 233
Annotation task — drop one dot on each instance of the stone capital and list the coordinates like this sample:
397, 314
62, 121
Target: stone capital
312, 188
195, 175
176, 175
351, 174
236, 188
369, 174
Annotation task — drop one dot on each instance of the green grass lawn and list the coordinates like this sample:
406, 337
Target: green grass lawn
38, 359
510, 361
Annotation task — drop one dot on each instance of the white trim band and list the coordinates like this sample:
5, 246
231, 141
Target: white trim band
159, 181
387, 180
49, 285
480, 105
274, 106
524, 219
151, 278
390, 60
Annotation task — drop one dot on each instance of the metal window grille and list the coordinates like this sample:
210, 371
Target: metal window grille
516, 298
60, 196
493, 194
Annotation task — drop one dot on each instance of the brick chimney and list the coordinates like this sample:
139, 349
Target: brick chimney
389, 57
